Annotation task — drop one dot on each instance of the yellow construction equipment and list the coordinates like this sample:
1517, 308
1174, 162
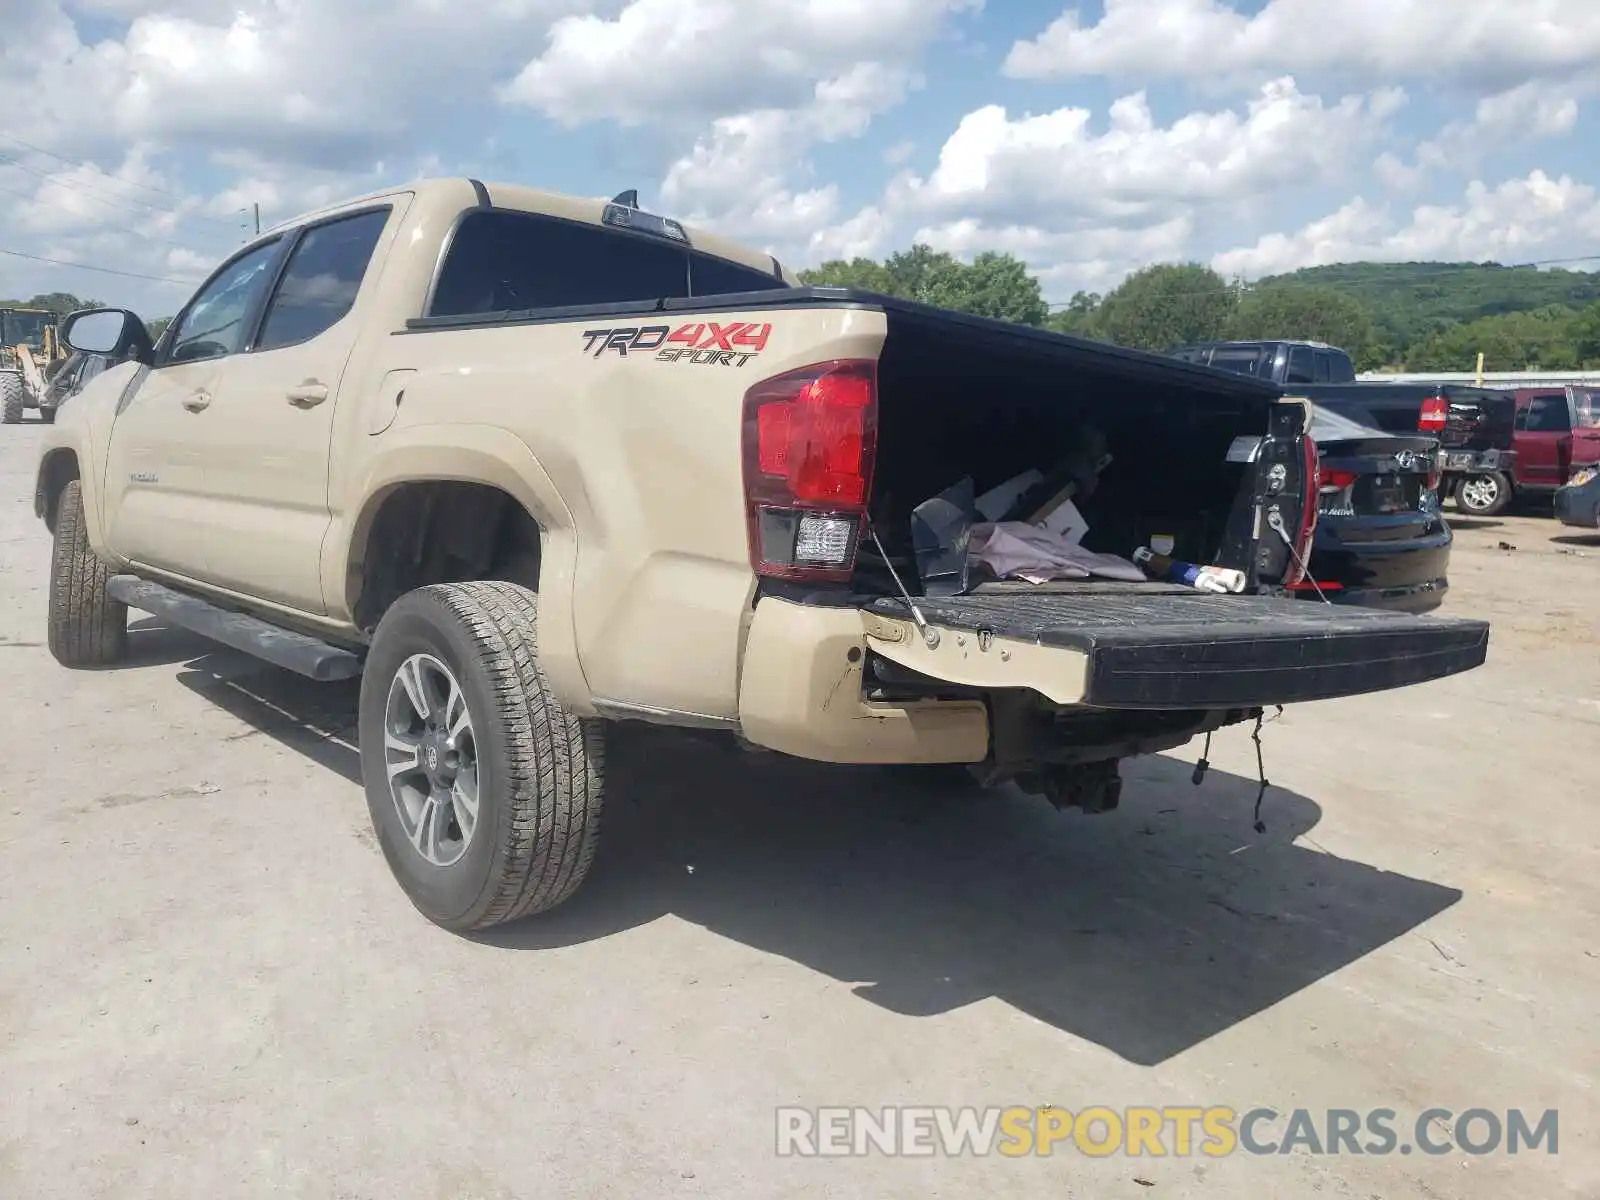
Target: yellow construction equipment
30, 354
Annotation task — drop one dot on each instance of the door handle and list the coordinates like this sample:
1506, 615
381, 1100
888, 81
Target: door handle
309, 394
197, 400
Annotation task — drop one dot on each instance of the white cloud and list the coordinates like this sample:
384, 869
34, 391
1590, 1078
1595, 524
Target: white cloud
1053, 166
1519, 220
274, 77
1087, 258
705, 58
1487, 44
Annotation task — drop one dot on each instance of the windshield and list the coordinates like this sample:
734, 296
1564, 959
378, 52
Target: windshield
25, 328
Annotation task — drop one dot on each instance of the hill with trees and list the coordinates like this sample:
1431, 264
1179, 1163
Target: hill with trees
1416, 316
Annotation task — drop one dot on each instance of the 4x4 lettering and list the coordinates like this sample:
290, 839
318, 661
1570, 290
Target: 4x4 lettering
719, 337
753, 335
689, 335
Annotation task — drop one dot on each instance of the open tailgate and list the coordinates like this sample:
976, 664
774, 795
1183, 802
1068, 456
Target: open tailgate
1171, 648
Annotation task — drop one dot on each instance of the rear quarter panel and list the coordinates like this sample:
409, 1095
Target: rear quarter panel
636, 477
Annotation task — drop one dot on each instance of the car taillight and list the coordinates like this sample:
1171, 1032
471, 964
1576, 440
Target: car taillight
1330, 482
1435, 415
810, 440
1301, 558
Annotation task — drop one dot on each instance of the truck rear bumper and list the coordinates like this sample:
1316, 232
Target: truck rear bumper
801, 693
1152, 648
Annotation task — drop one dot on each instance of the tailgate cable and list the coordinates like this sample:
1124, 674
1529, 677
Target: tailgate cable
930, 635
1275, 523
1204, 765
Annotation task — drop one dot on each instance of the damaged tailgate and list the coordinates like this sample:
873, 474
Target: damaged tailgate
1164, 648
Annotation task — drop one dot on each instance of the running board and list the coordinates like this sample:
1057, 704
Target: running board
283, 648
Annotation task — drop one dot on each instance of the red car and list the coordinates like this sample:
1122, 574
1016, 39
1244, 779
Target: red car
1557, 433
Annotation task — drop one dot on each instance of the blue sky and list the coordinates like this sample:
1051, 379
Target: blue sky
1089, 139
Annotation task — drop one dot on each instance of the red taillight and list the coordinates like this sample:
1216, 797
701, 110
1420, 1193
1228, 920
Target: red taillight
810, 438
1332, 481
1301, 558
1435, 415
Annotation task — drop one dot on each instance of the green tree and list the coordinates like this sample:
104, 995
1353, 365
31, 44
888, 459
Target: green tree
1298, 312
1167, 305
1081, 316
861, 273
157, 327
1519, 341
992, 285
1586, 335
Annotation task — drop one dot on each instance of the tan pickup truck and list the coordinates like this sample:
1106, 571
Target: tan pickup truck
531, 465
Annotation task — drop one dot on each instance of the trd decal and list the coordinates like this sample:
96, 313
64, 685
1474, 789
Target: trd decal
705, 343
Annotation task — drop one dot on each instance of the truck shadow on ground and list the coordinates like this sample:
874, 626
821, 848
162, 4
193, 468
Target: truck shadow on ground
1146, 931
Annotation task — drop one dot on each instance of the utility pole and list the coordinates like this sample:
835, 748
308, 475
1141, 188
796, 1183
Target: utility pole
258, 220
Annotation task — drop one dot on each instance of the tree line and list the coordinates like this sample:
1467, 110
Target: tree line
1389, 316
1404, 316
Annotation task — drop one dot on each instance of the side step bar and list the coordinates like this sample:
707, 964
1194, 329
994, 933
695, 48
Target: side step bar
293, 651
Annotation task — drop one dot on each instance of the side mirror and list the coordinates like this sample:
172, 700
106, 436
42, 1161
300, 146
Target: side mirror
111, 331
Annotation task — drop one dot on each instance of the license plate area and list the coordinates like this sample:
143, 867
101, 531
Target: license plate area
1386, 494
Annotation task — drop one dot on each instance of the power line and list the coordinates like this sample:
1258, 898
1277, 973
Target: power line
112, 200
57, 262
104, 225
72, 162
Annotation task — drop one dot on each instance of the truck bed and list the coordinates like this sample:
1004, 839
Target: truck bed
1154, 648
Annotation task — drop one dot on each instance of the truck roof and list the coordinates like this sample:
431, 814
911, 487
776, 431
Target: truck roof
1259, 342
460, 192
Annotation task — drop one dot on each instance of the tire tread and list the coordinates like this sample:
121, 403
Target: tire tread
556, 760
87, 628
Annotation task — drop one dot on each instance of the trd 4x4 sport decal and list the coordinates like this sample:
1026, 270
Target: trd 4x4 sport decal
704, 343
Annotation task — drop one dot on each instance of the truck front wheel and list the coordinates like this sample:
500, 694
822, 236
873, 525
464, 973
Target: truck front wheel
87, 628
1484, 494
11, 397
484, 793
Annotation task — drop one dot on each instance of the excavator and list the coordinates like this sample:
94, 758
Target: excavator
30, 355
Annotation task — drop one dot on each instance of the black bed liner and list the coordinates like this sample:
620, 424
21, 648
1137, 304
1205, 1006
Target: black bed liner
1158, 649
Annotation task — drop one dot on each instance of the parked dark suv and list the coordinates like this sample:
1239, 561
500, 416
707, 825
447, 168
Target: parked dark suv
1287, 363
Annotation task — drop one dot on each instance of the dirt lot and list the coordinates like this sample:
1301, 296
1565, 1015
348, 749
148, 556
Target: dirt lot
210, 987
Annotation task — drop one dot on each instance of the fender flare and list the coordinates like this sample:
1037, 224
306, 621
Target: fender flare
484, 454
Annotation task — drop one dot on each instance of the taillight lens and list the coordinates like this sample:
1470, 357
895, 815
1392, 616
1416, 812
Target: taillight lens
1308, 512
1435, 415
1331, 482
810, 439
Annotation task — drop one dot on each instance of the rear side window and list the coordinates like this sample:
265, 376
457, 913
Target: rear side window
1324, 367
505, 261
1548, 414
324, 274
1241, 360
1302, 367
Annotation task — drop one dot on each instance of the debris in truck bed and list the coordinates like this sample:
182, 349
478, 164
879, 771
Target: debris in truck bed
1014, 550
1201, 578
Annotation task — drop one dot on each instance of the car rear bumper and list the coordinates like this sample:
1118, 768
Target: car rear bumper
1409, 598
1579, 506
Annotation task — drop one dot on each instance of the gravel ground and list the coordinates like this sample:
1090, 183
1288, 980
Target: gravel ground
210, 986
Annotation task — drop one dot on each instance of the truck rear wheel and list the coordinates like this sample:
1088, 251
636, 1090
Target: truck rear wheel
87, 627
11, 398
1484, 494
484, 793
